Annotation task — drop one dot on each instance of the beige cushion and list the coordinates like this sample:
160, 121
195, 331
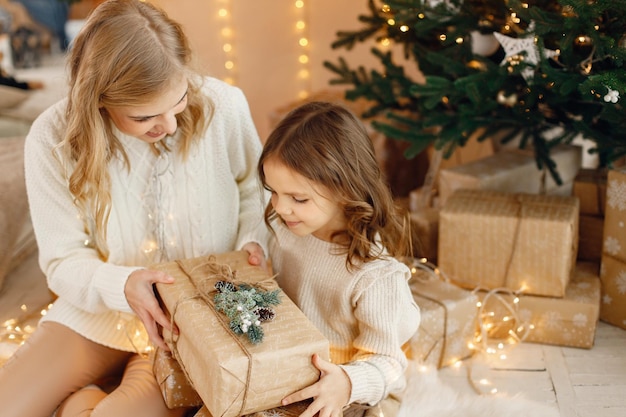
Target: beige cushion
11, 97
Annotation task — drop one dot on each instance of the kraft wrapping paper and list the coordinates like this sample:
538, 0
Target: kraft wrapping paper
613, 304
232, 376
448, 322
291, 410
613, 271
569, 321
523, 242
590, 188
513, 171
176, 389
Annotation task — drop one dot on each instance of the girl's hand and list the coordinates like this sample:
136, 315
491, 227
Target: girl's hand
255, 254
330, 394
140, 295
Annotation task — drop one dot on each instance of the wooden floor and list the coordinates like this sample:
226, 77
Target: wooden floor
578, 382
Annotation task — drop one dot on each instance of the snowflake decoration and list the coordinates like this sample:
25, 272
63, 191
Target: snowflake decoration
620, 282
616, 195
607, 299
612, 96
580, 320
552, 320
612, 245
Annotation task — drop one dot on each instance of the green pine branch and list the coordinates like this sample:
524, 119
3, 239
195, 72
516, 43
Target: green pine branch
463, 93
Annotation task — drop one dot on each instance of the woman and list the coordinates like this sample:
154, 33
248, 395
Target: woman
144, 162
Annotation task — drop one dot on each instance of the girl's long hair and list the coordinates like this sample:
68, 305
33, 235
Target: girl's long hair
127, 54
327, 144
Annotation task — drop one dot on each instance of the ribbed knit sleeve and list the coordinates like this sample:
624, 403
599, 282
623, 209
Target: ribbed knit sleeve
244, 149
73, 269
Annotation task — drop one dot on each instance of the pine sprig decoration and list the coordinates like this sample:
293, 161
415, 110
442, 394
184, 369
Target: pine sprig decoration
246, 307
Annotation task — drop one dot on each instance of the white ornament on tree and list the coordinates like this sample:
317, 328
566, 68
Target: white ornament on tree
612, 96
450, 5
525, 48
484, 44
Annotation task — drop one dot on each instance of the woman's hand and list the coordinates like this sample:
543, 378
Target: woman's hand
256, 256
140, 295
330, 394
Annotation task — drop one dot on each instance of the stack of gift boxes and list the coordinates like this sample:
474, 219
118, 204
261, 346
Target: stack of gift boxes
502, 226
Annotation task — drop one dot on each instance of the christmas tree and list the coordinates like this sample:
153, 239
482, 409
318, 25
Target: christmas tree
556, 73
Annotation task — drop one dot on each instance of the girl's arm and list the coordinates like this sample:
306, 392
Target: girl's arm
387, 317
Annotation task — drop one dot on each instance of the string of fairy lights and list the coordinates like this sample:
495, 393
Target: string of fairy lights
227, 36
499, 325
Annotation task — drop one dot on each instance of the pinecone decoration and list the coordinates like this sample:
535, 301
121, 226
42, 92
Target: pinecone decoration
223, 286
265, 314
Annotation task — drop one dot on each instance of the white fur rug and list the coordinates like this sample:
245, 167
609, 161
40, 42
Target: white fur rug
428, 396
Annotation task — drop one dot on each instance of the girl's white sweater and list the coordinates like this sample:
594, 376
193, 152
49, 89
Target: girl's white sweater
367, 315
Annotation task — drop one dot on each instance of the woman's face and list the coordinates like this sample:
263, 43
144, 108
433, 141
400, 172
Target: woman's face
154, 120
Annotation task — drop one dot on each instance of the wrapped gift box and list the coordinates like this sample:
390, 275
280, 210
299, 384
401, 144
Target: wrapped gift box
233, 376
590, 188
447, 325
424, 229
523, 242
513, 171
613, 305
425, 232
614, 233
176, 389
590, 237
568, 321
291, 410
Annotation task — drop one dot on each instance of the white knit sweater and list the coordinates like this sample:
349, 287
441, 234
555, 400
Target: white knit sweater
210, 203
367, 315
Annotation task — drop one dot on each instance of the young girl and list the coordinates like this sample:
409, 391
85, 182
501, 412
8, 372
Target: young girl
336, 231
146, 161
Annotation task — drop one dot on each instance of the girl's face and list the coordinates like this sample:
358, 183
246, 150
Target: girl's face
305, 207
153, 121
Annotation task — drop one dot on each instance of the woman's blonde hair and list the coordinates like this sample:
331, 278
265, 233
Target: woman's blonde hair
328, 145
127, 54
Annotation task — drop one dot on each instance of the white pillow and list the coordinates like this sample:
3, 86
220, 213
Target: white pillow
11, 96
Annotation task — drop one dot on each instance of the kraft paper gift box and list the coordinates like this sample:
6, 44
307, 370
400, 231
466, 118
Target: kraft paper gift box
425, 232
448, 322
590, 188
291, 410
231, 375
524, 242
614, 233
176, 389
590, 237
613, 304
513, 171
568, 321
